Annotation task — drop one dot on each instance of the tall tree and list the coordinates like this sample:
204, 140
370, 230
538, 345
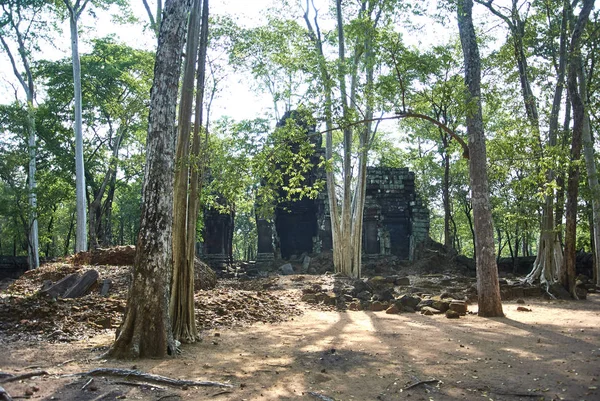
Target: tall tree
567, 276
488, 288
75, 11
182, 292
19, 22
146, 329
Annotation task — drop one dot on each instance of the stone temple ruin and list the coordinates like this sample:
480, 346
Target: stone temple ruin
395, 220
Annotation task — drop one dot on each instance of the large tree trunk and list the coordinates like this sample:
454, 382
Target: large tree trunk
592, 175
487, 271
146, 328
182, 308
567, 273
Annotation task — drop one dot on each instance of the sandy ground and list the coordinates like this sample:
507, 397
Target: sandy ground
550, 353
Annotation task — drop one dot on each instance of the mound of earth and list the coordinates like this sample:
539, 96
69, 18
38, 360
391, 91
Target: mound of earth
26, 313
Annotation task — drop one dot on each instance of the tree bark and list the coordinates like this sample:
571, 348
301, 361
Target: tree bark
182, 307
146, 328
567, 273
81, 239
488, 289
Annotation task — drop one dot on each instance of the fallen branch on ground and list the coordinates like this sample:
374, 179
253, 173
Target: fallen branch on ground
137, 375
168, 396
4, 374
4, 396
419, 383
140, 385
87, 384
320, 396
221, 393
23, 376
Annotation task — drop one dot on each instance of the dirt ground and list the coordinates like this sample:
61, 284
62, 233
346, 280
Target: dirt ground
549, 353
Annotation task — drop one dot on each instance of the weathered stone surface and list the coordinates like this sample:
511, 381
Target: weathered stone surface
61, 286
106, 283
354, 306
377, 306
364, 296
384, 295
360, 286
286, 269
558, 291
409, 301
403, 281
205, 277
426, 310
394, 309
451, 314
83, 284
328, 298
305, 263
459, 307
309, 298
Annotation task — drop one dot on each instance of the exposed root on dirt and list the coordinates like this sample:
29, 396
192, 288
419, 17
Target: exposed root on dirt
137, 375
23, 376
432, 381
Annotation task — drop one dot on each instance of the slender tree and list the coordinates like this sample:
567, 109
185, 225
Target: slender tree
488, 288
146, 329
15, 24
75, 10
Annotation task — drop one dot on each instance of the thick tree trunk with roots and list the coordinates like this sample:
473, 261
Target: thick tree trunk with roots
146, 328
488, 288
567, 274
182, 302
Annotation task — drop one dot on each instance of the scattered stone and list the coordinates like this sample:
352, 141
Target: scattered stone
328, 298
286, 269
459, 307
452, 314
354, 306
364, 296
403, 281
426, 310
393, 310
558, 291
377, 306
305, 263
410, 301
61, 286
83, 284
105, 287
520, 301
309, 298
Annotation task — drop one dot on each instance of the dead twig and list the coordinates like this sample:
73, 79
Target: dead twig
65, 362
4, 374
420, 382
321, 397
24, 376
221, 393
86, 384
140, 385
137, 375
162, 397
518, 394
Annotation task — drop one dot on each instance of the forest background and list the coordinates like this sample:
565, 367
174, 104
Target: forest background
259, 66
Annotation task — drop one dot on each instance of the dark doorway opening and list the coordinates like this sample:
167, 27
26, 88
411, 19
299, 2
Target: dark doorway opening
296, 225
